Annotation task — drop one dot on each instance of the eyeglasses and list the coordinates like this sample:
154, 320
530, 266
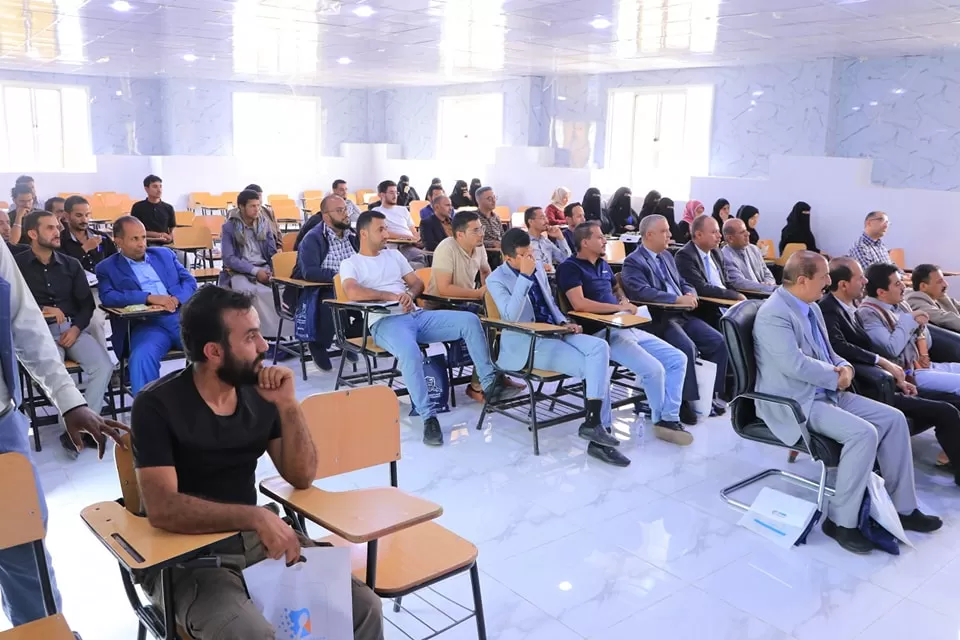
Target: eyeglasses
337, 210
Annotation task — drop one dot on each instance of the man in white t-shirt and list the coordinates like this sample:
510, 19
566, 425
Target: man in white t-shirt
400, 225
377, 274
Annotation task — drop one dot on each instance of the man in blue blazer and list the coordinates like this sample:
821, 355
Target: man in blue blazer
522, 293
650, 275
141, 275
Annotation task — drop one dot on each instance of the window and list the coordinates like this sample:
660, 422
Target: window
44, 128
470, 127
659, 137
647, 26
276, 125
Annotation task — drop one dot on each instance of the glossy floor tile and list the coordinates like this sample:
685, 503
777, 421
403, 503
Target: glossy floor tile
570, 548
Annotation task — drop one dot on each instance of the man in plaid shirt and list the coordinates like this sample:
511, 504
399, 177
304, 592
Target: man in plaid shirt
869, 248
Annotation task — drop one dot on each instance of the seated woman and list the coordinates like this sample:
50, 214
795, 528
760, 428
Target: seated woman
693, 209
721, 211
554, 210
797, 229
622, 215
460, 196
750, 216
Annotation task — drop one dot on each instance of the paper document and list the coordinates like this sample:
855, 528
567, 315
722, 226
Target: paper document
778, 516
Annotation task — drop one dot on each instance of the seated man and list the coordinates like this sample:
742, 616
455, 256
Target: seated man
399, 223
322, 252
574, 215
60, 287
522, 294
141, 275
901, 334
492, 225
78, 240
701, 264
5, 230
54, 205
428, 211
353, 211
377, 274
869, 248
930, 295
197, 436
744, 267
267, 212
549, 246
851, 342
589, 284
650, 275
437, 227
248, 246
795, 360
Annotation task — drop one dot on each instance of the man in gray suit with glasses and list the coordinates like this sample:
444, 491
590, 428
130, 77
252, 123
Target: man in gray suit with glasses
795, 360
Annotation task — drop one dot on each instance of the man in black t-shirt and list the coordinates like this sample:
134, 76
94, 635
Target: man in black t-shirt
157, 216
197, 436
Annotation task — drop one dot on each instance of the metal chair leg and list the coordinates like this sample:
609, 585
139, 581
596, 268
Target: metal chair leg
478, 603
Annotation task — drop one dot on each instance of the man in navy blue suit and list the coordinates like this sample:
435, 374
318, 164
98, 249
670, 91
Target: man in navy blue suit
141, 275
650, 275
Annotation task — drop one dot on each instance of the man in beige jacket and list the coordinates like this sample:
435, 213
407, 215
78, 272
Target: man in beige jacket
930, 294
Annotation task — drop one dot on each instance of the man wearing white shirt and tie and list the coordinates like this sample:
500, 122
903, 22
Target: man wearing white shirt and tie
701, 265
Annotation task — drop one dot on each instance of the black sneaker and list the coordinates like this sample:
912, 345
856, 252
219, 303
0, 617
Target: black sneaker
920, 522
432, 435
322, 359
68, 447
687, 415
598, 434
671, 431
850, 539
608, 455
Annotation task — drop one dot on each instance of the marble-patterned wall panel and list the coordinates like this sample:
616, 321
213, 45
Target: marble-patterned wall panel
902, 112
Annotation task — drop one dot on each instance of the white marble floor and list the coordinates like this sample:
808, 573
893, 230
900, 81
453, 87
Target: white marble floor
571, 548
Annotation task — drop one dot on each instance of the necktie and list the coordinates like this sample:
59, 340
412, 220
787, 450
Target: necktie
8, 358
817, 338
711, 274
666, 275
757, 271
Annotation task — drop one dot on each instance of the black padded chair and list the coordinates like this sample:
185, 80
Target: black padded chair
946, 344
737, 329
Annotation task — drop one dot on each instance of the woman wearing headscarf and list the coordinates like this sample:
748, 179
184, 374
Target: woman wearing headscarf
649, 204
474, 185
665, 208
622, 216
750, 216
593, 209
797, 228
693, 209
554, 210
406, 193
721, 211
460, 196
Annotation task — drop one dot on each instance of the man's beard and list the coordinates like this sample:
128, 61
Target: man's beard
53, 245
342, 226
237, 373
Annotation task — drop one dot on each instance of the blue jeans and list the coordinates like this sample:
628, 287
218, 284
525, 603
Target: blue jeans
402, 335
580, 356
659, 367
150, 341
19, 578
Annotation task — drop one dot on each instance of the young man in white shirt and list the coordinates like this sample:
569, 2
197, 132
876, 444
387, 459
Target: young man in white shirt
399, 224
378, 274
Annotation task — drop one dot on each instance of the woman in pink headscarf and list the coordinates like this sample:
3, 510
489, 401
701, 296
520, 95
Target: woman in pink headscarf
693, 209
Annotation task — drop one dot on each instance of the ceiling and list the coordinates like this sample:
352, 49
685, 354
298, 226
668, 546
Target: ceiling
376, 43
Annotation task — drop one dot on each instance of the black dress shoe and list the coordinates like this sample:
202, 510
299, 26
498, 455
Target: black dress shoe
920, 522
432, 435
597, 434
850, 539
717, 408
499, 390
68, 447
608, 455
322, 360
671, 431
687, 414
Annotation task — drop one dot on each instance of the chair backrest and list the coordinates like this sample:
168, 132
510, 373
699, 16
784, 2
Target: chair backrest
283, 263
277, 198
503, 212
198, 199
415, 206
353, 429
214, 223
737, 328
312, 204
338, 289
766, 248
899, 258
790, 249
185, 218
127, 474
20, 518
352, 198
307, 195
289, 239
491, 307
424, 274
616, 252
193, 235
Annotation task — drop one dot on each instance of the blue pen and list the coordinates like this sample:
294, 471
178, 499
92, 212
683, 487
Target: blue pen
774, 529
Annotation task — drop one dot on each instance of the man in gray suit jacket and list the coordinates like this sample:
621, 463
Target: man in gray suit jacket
521, 292
795, 360
743, 265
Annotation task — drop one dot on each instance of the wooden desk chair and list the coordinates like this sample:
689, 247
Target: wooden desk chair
230, 198
899, 258
415, 207
788, 250
286, 305
212, 222
185, 218
195, 236
362, 195
531, 376
280, 199
503, 212
616, 252
139, 548
314, 194
312, 204
196, 200
288, 240
394, 546
22, 523
351, 197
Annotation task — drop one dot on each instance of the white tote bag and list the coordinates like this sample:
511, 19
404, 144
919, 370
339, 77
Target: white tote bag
706, 380
311, 600
882, 509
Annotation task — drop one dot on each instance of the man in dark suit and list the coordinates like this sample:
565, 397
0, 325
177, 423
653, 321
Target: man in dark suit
141, 275
701, 264
851, 342
650, 275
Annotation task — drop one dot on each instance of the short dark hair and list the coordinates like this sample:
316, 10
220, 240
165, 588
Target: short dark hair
365, 219
461, 220
253, 187
512, 240
530, 213
73, 201
338, 182
48, 205
878, 277
20, 189
119, 225
386, 184
246, 196
568, 210
201, 318
840, 271
31, 221
699, 222
150, 179
24, 179
433, 189
921, 274
583, 231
